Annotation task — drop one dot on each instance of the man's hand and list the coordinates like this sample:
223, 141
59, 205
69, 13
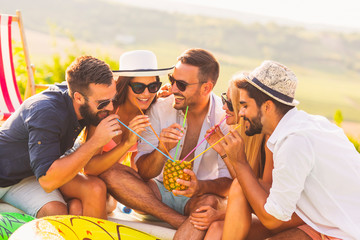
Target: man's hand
193, 185
214, 137
203, 217
138, 124
108, 128
234, 147
170, 136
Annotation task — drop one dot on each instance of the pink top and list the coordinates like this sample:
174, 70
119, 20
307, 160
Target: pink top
110, 145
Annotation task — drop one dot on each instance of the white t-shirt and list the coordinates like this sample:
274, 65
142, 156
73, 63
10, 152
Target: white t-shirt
162, 114
316, 174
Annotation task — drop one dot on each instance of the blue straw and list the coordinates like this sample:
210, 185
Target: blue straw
145, 140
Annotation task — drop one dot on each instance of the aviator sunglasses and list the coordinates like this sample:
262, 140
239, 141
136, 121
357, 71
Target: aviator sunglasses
180, 84
228, 103
140, 87
102, 103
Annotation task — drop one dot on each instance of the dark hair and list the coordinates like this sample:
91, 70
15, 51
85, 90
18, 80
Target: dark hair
261, 97
208, 66
122, 89
85, 70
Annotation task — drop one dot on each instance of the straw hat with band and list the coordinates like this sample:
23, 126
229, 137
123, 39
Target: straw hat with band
140, 63
275, 80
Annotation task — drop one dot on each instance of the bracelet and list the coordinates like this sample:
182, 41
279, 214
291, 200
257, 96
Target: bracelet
223, 156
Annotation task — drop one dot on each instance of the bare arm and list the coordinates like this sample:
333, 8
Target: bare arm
64, 169
101, 162
215, 135
150, 165
253, 190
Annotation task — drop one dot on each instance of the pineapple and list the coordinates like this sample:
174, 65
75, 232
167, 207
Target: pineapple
173, 171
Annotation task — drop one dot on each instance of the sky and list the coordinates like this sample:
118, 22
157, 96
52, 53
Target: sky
338, 13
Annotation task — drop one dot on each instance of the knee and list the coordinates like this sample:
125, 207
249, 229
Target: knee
95, 188
209, 200
52, 208
215, 226
235, 189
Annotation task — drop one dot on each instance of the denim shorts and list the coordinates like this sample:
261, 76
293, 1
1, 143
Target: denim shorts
177, 203
29, 196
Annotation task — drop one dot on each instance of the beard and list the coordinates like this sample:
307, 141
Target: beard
179, 107
89, 117
255, 125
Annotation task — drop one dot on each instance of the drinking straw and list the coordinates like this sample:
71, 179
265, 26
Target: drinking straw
204, 138
212, 145
177, 148
144, 140
137, 104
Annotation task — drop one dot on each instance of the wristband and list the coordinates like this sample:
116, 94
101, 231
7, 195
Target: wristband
223, 156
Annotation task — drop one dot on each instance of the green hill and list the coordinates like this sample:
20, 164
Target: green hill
326, 63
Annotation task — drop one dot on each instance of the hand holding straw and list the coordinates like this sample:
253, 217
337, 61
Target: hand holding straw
144, 140
153, 129
212, 145
177, 148
204, 139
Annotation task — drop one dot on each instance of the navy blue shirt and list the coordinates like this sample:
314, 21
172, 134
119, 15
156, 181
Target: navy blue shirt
37, 134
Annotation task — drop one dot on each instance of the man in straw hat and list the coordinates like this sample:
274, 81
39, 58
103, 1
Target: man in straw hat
193, 79
45, 126
316, 175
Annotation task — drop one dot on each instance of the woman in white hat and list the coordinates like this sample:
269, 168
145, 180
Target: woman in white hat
137, 85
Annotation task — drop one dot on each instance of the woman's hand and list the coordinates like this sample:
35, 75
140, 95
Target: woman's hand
215, 135
138, 124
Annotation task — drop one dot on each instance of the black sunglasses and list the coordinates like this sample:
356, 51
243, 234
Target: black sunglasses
180, 84
228, 103
139, 88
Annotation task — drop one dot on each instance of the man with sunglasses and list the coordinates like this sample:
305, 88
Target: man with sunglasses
193, 79
44, 127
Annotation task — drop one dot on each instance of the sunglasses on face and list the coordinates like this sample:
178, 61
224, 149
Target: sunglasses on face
102, 103
140, 87
180, 84
228, 103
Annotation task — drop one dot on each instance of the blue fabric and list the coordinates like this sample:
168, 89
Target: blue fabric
37, 134
177, 203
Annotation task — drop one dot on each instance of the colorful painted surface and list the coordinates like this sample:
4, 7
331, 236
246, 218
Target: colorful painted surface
9, 222
77, 227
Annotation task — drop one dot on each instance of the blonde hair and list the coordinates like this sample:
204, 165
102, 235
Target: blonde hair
254, 145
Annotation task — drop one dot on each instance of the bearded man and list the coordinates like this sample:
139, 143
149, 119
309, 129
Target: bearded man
44, 127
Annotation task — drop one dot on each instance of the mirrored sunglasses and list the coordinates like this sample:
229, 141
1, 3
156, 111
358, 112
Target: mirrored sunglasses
139, 88
103, 104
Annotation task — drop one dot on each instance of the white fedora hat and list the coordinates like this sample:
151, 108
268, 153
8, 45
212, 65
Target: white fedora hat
275, 80
140, 63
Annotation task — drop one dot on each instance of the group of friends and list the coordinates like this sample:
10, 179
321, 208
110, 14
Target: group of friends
278, 173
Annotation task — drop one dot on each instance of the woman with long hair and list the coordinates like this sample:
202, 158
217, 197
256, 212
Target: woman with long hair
137, 85
258, 156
